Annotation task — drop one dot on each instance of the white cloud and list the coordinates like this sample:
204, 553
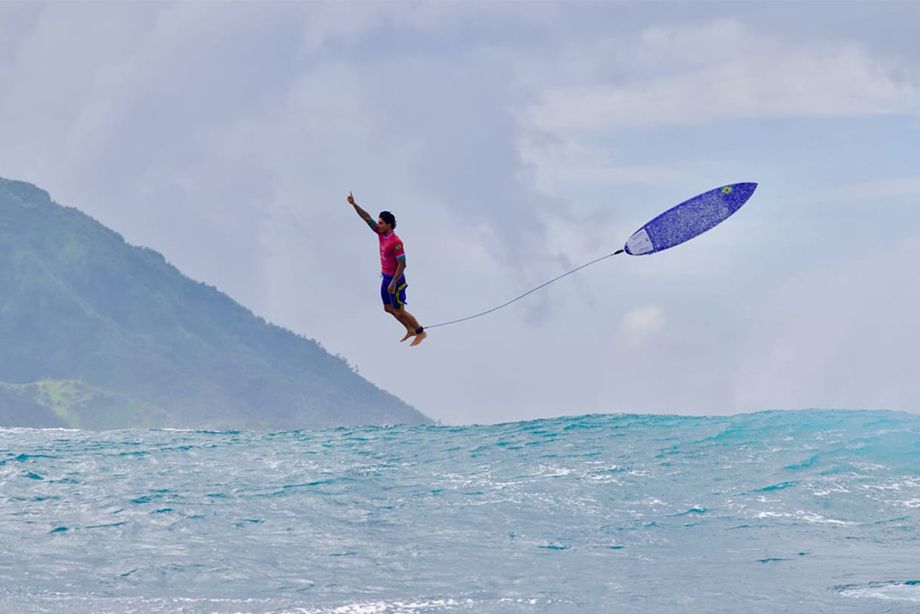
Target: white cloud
640, 325
720, 71
843, 338
871, 192
557, 165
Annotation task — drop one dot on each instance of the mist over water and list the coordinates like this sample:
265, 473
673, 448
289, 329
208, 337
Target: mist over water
775, 511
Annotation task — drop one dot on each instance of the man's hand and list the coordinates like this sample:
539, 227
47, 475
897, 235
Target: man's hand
351, 199
392, 287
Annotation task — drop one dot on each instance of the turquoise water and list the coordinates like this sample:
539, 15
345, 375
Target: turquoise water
767, 512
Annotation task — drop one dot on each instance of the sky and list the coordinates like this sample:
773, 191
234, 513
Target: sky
513, 141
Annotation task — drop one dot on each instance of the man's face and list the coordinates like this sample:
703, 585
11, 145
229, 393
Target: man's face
383, 227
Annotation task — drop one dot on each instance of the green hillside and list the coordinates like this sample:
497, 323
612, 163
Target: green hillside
96, 333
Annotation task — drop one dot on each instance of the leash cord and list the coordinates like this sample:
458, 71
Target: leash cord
517, 298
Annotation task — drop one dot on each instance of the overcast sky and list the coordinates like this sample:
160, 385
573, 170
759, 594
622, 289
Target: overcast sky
513, 141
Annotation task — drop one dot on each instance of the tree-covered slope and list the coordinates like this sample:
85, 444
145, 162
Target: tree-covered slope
97, 333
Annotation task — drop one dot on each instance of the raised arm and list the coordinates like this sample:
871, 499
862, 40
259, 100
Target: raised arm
362, 213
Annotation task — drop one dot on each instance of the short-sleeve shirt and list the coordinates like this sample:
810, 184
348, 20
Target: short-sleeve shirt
391, 251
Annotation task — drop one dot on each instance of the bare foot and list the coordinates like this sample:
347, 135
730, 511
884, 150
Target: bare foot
409, 333
419, 338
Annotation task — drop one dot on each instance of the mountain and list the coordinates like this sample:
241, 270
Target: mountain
97, 333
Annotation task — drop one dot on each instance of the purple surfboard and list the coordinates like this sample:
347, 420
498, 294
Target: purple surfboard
688, 219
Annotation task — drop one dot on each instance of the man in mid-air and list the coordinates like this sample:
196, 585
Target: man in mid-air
393, 263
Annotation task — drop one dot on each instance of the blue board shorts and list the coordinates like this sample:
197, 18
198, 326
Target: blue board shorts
396, 301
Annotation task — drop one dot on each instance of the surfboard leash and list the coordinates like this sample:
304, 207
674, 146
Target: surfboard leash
517, 298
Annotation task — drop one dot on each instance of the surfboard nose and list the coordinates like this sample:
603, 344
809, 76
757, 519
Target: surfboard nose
741, 192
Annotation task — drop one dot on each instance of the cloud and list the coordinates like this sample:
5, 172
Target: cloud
721, 71
843, 338
872, 192
558, 164
640, 325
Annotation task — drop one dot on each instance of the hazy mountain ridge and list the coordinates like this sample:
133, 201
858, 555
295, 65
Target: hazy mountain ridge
81, 307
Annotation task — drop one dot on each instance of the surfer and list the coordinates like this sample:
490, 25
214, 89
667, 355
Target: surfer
392, 263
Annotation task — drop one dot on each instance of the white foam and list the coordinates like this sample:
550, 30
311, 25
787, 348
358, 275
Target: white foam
382, 606
888, 592
806, 516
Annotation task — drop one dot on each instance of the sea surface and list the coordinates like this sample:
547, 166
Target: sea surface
805, 511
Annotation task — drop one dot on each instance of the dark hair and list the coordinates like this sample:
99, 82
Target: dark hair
389, 218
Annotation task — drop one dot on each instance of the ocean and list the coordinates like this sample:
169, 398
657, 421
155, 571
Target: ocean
786, 511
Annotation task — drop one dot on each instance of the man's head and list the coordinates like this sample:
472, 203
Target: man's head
387, 222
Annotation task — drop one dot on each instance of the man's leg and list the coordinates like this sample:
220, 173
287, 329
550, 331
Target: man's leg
412, 326
389, 307
397, 302
408, 320
396, 314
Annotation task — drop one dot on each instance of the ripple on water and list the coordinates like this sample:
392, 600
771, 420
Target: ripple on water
572, 514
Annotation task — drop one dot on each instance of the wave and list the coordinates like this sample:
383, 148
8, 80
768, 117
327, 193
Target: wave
576, 513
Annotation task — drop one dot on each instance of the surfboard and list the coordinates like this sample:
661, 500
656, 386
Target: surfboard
688, 219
